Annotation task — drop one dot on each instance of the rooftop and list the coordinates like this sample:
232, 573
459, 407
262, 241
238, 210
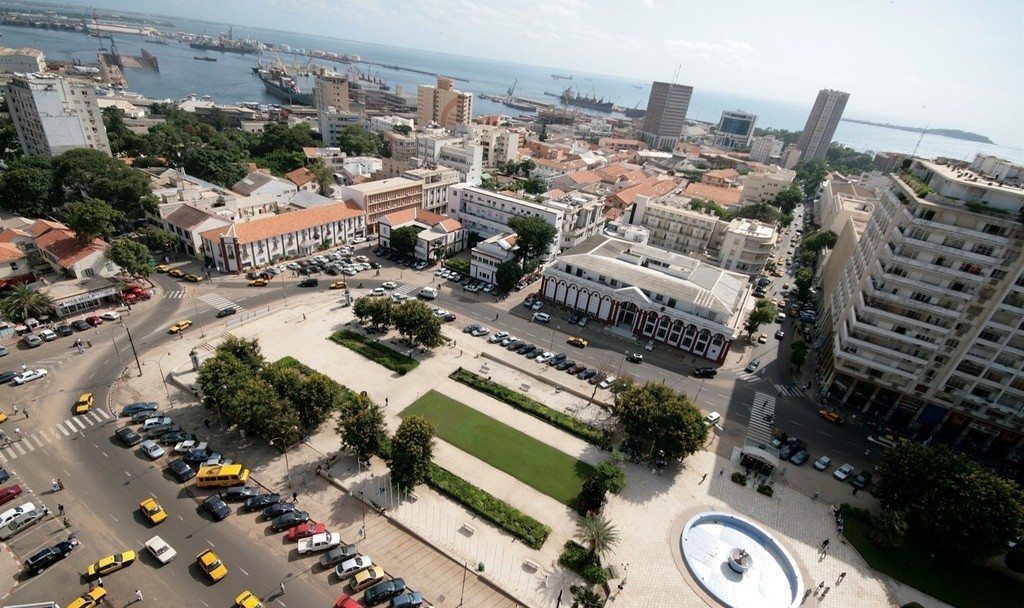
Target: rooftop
384, 185
275, 225
188, 217
717, 194
10, 252
254, 181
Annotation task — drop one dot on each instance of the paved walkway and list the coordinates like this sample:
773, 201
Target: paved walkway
645, 513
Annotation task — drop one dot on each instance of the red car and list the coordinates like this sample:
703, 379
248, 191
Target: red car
346, 602
9, 493
94, 320
305, 530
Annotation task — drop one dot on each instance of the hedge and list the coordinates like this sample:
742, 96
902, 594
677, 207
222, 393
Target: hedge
375, 351
580, 561
525, 528
569, 424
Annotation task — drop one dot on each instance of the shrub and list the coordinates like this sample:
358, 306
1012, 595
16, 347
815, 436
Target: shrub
457, 264
375, 351
569, 424
765, 489
1015, 558
739, 478
582, 562
525, 528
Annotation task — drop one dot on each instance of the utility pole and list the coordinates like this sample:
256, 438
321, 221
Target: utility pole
132, 343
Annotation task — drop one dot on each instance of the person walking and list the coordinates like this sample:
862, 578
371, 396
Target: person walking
66, 522
60, 484
53, 485
823, 594
842, 575
15, 410
24, 367
703, 477
60, 510
138, 595
25, 411
821, 585
99, 581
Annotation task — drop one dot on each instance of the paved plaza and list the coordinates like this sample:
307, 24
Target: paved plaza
648, 513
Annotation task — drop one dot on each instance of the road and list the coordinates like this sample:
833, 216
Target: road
104, 481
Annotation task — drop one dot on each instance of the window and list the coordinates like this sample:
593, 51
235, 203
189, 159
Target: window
970, 268
998, 274
14, 265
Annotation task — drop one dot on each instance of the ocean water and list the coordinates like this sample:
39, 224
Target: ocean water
230, 80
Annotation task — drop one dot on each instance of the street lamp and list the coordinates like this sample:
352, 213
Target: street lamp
287, 467
163, 378
202, 332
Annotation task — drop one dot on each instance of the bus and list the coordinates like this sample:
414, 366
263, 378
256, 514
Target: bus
222, 476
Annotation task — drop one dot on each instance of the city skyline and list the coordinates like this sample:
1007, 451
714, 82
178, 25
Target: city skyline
885, 54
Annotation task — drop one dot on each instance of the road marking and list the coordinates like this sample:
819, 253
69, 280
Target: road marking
38, 439
79, 423
180, 518
127, 473
112, 517
104, 454
20, 449
209, 543
2, 457
243, 571
62, 429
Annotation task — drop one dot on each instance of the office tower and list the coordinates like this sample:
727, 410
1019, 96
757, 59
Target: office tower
443, 105
821, 124
666, 114
735, 129
53, 114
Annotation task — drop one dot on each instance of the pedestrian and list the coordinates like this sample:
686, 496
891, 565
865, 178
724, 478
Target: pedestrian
138, 595
99, 581
60, 484
25, 412
807, 594
24, 367
385, 401
53, 485
295, 496
303, 316
46, 510
815, 497
20, 433
206, 422
703, 477
842, 575
824, 593
821, 585
60, 509
281, 588
67, 522
824, 543
15, 410
722, 471
496, 316
855, 490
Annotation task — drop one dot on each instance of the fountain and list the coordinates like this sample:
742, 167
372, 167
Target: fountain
740, 561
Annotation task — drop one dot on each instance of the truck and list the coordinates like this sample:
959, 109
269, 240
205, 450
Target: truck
319, 542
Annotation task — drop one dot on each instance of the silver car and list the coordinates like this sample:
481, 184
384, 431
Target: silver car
151, 449
350, 567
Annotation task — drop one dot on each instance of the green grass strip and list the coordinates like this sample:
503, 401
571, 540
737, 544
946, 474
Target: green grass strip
375, 351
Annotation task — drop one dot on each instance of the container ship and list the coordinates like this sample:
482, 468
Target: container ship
573, 98
279, 84
562, 76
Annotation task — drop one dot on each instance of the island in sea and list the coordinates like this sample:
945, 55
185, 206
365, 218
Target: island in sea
954, 133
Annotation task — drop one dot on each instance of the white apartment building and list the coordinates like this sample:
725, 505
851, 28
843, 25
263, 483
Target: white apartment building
842, 200
765, 149
466, 158
582, 217
53, 114
745, 245
439, 236
764, 186
21, 61
647, 292
491, 253
386, 124
443, 105
435, 186
926, 324
188, 223
333, 122
499, 144
998, 169
487, 213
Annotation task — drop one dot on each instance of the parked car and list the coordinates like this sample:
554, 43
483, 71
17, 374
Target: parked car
752, 366
407, 600
260, 502
541, 317
705, 372
226, 312
128, 436
141, 406
350, 567
32, 340
216, 507
862, 480
288, 520
151, 449
635, 358
181, 470
822, 463
238, 493
44, 558
382, 592
309, 283
800, 457
46, 334
337, 555
843, 472
577, 341
10, 493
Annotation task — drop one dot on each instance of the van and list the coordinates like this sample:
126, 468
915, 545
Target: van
780, 317
14, 520
428, 293
222, 476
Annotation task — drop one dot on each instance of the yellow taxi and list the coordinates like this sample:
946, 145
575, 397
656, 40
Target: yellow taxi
212, 565
246, 599
180, 326
152, 510
193, 278
367, 578
259, 283
3, 417
89, 599
162, 268
577, 341
339, 285
84, 403
112, 563
175, 273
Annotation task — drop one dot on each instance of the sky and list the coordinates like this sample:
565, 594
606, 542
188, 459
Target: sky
950, 64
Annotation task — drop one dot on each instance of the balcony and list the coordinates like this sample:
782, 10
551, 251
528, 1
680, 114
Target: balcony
902, 303
854, 359
890, 354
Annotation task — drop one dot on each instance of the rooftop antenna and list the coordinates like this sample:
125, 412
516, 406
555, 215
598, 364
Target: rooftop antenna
675, 75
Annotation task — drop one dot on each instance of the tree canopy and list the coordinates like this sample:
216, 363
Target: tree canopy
21, 302
26, 187
811, 174
507, 275
132, 256
412, 450
83, 173
357, 141
534, 237
662, 419
362, 427
404, 239
764, 312
91, 219
798, 354
418, 323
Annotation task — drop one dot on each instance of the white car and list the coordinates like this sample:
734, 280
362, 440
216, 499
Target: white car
508, 340
48, 335
350, 567
357, 240
110, 315
544, 357
29, 376
650, 345
537, 305
541, 317
843, 472
822, 463
183, 446
398, 298
389, 285
607, 382
440, 312
151, 449
161, 550
350, 272
378, 291
498, 337
712, 419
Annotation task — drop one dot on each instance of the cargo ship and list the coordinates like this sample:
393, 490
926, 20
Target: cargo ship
571, 98
201, 58
225, 43
279, 84
562, 76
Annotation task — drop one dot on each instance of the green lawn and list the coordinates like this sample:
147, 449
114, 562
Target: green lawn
375, 351
536, 464
962, 585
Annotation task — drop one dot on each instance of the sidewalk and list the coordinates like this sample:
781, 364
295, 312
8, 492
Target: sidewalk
645, 513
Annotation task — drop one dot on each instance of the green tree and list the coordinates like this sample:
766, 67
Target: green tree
404, 239
324, 177
597, 534
527, 166
157, 239
847, 160
361, 308
611, 476
662, 419
953, 505
510, 168
818, 240
83, 173
279, 136
699, 204
764, 312
91, 219
412, 450
21, 302
132, 256
798, 354
402, 129
122, 140
222, 167
26, 187
357, 141
585, 597
763, 212
281, 161
532, 185
804, 282
381, 312
361, 426
10, 146
246, 350
788, 199
607, 477
417, 322
507, 276
311, 395
811, 174
534, 237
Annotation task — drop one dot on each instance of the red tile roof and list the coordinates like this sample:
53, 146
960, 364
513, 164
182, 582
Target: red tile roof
716, 194
300, 177
62, 245
266, 227
653, 186
10, 252
9, 234
41, 227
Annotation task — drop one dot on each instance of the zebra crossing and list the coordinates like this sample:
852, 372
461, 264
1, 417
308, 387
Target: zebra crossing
219, 302
66, 428
791, 390
405, 289
760, 427
175, 295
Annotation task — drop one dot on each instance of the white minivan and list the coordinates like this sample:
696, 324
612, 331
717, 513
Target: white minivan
15, 520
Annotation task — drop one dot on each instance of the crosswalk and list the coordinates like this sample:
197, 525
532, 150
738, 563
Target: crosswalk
175, 295
219, 302
760, 428
42, 437
791, 390
405, 289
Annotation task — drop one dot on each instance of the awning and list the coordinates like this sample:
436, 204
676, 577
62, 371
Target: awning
762, 455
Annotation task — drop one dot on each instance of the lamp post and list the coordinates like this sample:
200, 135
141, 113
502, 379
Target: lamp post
163, 378
202, 332
287, 467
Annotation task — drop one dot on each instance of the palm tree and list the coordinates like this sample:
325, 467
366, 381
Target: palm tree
584, 597
598, 534
22, 302
324, 176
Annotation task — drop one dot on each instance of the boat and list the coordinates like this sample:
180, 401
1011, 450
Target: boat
202, 58
635, 111
149, 60
574, 98
279, 84
562, 76
225, 43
